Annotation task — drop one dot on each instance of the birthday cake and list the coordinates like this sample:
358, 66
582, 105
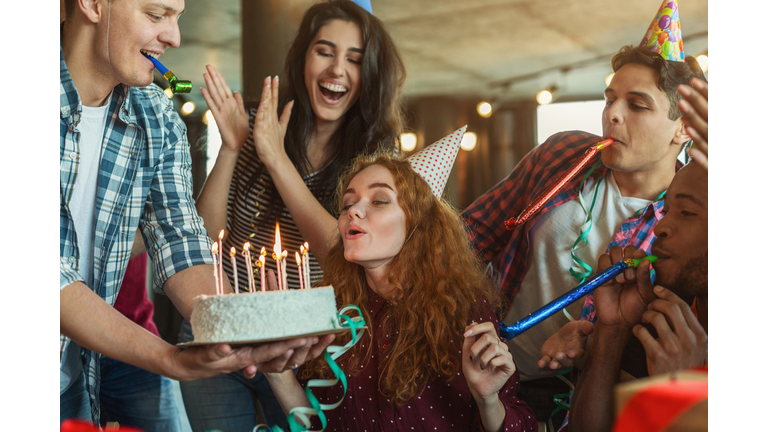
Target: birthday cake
264, 316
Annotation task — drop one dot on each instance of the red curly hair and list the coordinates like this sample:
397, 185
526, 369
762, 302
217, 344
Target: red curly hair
437, 278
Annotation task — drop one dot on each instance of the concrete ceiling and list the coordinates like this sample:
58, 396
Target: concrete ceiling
466, 48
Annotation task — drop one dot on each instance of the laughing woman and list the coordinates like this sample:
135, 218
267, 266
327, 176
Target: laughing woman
341, 96
430, 358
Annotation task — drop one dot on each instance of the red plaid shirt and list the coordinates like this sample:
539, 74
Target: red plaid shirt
507, 250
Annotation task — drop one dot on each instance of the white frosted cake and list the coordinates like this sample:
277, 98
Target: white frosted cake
263, 315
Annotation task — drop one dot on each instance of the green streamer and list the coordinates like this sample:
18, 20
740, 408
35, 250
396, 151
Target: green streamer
582, 270
331, 354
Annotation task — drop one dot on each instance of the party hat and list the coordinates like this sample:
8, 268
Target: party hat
365, 4
434, 163
664, 35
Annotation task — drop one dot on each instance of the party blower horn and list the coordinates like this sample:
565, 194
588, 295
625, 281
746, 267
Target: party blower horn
518, 328
176, 85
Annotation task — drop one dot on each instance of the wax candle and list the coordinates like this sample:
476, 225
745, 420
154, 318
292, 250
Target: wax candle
277, 255
232, 253
262, 264
299, 265
284, 260
305, 253
215, 253
249, 265
221, 261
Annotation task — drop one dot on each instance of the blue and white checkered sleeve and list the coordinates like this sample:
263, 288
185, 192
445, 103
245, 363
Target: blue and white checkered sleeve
67, 274
173, 231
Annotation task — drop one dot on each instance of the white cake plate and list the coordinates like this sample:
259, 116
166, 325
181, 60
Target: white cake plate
258, 342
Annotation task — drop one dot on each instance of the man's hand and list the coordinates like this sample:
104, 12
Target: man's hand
565, 346
622, 301
695, 108
682, 341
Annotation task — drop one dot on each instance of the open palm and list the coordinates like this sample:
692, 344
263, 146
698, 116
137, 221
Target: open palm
227, 108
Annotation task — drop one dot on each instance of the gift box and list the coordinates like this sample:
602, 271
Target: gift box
673, 402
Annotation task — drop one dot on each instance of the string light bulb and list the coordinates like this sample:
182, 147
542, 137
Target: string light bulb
544, 97
188, 108
469, 141
408, 141
484, 109
703, 62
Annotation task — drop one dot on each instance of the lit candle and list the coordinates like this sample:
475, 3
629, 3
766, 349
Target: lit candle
221, 266
215, 253
232, 254
301, 277
284, 267
305, 252
249, 265
262, 264
277, 256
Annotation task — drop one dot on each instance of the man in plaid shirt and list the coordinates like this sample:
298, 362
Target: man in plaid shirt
125, 163
618, 199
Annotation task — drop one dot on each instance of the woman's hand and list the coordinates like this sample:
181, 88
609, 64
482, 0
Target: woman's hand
486, 361
269, 131
228, 110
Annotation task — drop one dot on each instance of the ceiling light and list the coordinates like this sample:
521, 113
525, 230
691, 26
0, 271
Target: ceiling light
188, 108
469, 141
484, 109
408, 141
544, 97
609, 78
703, 62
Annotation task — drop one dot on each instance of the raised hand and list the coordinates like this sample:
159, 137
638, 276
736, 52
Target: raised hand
269, 131
227, 108
695, 108
565, 346
622, 301
682, 341
486, 361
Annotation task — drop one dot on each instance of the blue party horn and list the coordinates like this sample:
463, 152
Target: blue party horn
176, 85
551, 308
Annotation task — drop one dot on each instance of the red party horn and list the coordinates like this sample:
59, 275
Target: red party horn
535, 206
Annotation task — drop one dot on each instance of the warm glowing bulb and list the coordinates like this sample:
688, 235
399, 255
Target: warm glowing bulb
703, 62
484, 109
208, 118
408, 141
188, 108
168, 92
544, 97
609, 78
469, 141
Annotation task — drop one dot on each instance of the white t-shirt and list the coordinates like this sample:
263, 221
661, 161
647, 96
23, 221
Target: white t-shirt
549, 261
82, 207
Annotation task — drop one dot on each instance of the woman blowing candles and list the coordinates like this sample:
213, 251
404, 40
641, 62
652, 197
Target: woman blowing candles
430, 359
341, 97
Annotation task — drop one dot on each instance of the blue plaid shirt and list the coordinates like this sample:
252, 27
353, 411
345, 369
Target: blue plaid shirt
144, 181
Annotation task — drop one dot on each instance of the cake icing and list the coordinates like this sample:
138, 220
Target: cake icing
263, 315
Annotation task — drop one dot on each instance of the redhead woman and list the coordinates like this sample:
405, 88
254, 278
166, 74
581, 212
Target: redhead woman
340, 96
431, 358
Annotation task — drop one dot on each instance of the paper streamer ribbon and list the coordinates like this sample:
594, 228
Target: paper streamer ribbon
536, 205
551, 308
331, 354
656, 407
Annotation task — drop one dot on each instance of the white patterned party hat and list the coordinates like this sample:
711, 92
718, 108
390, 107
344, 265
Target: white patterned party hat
434, 163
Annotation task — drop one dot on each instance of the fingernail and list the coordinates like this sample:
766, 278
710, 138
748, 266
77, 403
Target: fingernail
658, 289
684, 90
221, 351
684, 105
698, 84
630, 273
467, 333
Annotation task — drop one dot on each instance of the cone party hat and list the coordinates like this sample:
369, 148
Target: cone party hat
664, 35
434, 163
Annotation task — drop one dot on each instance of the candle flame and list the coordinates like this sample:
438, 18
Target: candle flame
232, 252
298, 259
246, 247
215, 247
301, 248
278, 246
284, 254
306, 247
221, 234
263, 251
262, 259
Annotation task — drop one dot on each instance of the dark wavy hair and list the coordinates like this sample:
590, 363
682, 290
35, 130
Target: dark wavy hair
671, 73
374, 121
438, 280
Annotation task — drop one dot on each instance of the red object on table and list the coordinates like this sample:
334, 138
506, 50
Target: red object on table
74, 425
